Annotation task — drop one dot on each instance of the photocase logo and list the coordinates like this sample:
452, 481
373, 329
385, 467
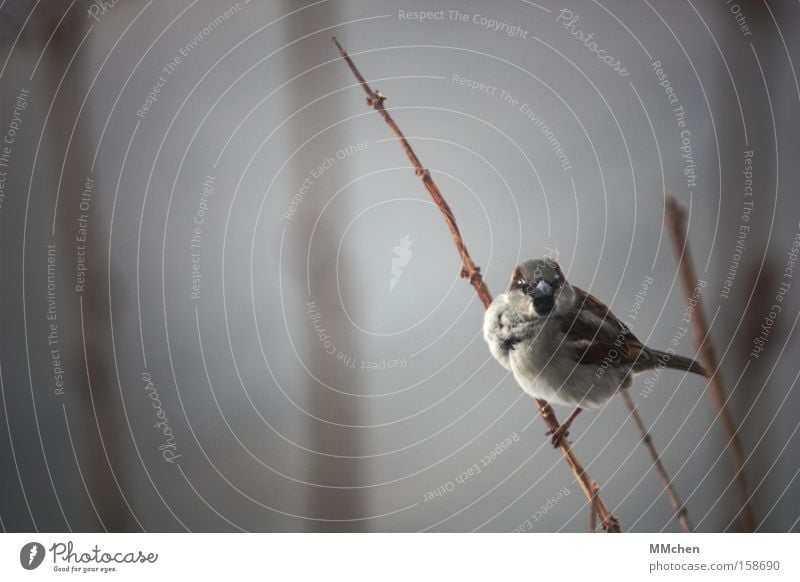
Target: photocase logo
402, 255
31, 555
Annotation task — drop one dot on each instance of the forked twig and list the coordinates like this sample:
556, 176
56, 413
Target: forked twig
472, 272
676, 221
681, 513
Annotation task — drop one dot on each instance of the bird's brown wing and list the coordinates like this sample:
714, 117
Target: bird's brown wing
595, 336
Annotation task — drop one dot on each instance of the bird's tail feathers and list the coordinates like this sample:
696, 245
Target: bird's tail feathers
677, 362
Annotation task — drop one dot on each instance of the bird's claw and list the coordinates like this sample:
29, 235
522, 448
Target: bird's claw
558, 435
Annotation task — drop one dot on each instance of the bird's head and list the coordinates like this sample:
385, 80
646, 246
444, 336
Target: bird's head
538, 288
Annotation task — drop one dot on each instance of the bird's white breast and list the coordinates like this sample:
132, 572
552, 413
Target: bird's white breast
542, 364
543, 368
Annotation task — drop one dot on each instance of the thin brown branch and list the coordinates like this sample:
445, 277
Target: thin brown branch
676, 222
681, 513
375, 100
592, 512
472, 272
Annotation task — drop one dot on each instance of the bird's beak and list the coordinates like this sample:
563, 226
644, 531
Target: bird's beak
543, 301
543, 288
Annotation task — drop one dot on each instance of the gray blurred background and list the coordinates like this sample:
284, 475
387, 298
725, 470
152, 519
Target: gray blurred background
228, 303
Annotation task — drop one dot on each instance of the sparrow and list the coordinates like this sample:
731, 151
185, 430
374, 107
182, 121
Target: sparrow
563, 345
